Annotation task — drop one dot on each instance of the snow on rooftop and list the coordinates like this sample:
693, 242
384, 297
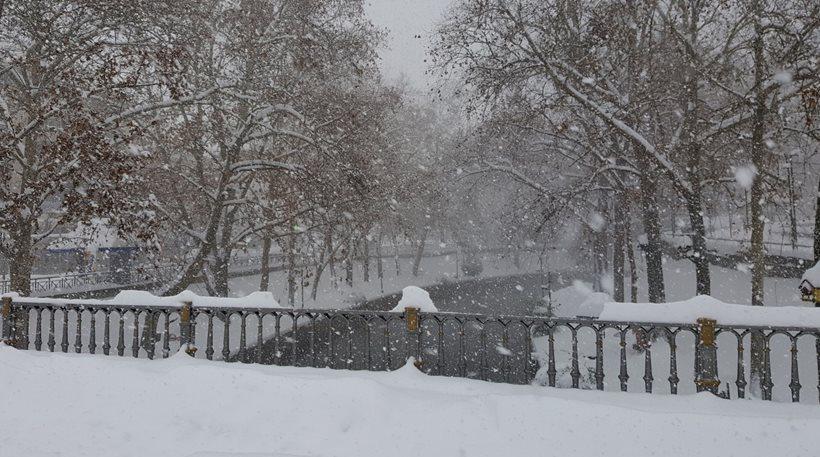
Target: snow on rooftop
688, 311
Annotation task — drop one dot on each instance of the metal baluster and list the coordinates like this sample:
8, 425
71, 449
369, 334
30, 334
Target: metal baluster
78, 341
276, 335
462, 353
623, 375
313, 341
331, 362
647, 366
195, 312
575, 372
51, 342
794, 385
673, 362
209, 340
150, 338
226, 339
483, 359
390, 353
107, 332
349, 355
166, 334
259, 341
64, 342
817, 356
440, 346
38, 332
599, 359
135, 342
505, 343
419, 345
368, 323
528, 359
295, 342
92, 337
26, 316
242, 336
121, 333
741, 369
551, 371
767, 369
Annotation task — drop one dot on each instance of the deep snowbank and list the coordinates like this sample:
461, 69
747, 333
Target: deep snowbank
688, 311
96, 406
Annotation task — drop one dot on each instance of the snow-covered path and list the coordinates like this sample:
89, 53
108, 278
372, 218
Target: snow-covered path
56, 404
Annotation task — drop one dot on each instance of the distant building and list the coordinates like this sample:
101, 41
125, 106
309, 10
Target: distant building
90, 247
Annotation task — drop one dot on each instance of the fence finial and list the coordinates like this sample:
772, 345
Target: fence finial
411, 316
186, 328
706, 369
5, 312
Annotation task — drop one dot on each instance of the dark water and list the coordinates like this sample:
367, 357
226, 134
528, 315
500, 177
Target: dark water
475, 347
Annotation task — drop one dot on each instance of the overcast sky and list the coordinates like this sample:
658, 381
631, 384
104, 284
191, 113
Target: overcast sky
406, 21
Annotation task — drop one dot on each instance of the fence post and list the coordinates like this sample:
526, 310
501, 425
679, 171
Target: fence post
411, 317
186, 328
706, 368
5, 311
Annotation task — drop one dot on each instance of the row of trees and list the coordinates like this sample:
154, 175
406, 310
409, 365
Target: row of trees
598, 110
595, 104
201, 127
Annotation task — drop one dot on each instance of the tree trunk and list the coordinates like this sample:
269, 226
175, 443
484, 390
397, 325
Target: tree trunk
291, 256
817, 224
694, 198
419, 253
221, 277
21, 265
379, 264
618, 249
264, 281
331, 260
758, 222
699, 255
792, 208
652, 227
349, 262
633, 269
396, 255
366, 260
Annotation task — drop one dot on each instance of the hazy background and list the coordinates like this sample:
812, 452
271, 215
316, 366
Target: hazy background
410, 24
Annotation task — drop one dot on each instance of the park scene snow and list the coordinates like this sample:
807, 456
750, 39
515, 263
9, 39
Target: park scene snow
409, 227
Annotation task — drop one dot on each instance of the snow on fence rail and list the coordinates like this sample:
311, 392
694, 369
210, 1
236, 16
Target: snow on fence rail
577, 353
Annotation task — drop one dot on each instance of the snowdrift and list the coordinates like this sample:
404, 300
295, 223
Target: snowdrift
688, 311
97, 406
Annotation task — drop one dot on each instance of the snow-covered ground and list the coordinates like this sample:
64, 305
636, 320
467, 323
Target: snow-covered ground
730, 286
731, 233
57, 404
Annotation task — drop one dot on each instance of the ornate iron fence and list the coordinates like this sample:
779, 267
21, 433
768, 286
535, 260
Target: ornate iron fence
576, 353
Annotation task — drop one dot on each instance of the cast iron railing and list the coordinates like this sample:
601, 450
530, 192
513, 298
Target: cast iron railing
576, 353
